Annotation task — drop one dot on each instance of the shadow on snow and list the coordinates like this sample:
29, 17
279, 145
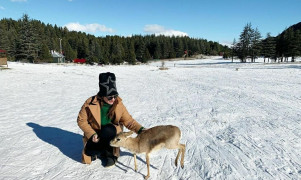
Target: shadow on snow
138, 158
206, 64
69, 143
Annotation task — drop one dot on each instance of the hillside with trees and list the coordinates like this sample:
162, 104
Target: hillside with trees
32, 40
279, 48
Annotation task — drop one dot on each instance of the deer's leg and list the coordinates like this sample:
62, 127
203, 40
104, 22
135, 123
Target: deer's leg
176, 161
135, 159
183, 147
147, 162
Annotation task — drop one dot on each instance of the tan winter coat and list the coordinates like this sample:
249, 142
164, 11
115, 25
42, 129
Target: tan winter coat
89, 120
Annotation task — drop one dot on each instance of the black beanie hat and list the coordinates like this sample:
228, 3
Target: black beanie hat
107, 84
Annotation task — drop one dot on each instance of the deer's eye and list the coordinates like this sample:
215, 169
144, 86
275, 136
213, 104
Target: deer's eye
118, 139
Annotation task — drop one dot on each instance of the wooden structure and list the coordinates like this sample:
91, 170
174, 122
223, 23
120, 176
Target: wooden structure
3, 58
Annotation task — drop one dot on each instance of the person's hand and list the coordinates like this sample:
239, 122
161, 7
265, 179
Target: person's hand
95, 138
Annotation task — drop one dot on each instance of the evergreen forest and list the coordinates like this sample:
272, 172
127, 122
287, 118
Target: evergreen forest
251, 45
32, 41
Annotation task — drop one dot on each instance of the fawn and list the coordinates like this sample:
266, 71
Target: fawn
149, 140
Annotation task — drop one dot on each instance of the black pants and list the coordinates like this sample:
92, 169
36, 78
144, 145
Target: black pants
102, 147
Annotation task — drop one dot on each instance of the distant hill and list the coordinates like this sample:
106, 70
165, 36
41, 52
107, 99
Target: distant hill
288, 43
284, 45
294, 27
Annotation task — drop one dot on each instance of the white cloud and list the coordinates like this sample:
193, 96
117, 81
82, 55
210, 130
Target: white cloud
226, 43
18, 0
2, 8
90, 28
160, 30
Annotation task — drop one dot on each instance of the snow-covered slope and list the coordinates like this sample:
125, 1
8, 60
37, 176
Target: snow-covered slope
238, 121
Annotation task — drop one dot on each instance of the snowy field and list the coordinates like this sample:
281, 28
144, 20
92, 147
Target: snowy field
238, 121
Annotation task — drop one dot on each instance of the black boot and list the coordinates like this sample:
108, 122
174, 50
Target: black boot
111, 159
95, 154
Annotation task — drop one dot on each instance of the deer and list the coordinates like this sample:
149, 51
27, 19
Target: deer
151, 140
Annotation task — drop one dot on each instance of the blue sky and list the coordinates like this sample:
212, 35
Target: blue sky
215, 20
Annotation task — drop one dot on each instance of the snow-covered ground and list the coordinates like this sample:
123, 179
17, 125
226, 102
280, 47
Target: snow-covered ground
238, 121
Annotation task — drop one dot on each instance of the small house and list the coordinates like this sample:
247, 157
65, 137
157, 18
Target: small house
57, 57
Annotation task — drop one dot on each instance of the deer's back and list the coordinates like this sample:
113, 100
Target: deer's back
158, 137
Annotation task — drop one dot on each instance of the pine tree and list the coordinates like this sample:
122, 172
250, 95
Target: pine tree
117, 51
140, 49
69, 53
280, 48
4, 41
146, 55
106, 44
178, 47
233, 48
255, 44
244, 43
45, 55
291, 42
294, 45
157, 50
83, 48
165, 49
172, 52
94, 51
27, 47
207, 49
269, 47
130, 56
298, 42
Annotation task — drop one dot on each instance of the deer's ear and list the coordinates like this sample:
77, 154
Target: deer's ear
128, 133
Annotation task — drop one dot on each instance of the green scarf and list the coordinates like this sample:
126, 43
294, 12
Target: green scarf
104, 114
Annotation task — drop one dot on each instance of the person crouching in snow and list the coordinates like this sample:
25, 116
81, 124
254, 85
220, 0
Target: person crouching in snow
101, 118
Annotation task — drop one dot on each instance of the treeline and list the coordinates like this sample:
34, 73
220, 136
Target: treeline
31, 40
279, 48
